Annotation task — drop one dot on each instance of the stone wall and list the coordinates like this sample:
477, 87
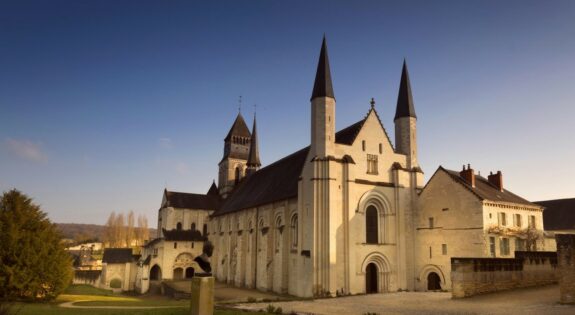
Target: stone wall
472, 276
566, 266
91, 277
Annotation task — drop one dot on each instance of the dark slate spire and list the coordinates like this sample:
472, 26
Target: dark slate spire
405, 106
254, 155
322, 86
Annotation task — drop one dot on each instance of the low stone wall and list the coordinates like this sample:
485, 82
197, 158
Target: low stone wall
472, 276
91, 277
566, 266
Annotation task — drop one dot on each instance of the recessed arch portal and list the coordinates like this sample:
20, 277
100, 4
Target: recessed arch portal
376, 269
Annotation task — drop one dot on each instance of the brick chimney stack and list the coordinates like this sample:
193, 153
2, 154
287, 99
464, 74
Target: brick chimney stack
496, 180
468, 174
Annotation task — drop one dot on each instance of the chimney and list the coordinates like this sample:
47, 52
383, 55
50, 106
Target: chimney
468, 175
496, 180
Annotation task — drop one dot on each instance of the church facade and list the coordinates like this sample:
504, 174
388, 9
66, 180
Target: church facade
347, 214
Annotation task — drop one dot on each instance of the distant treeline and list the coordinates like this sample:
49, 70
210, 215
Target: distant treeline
82, 233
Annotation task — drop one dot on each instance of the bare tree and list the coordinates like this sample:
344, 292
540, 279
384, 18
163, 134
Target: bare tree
120, 231
110, 231
145, 230
130, 229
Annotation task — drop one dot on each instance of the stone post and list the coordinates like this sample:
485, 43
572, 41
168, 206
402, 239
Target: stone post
566, 266
202, 296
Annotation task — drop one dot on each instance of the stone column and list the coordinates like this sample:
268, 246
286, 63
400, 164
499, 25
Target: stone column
202, 296
566, 266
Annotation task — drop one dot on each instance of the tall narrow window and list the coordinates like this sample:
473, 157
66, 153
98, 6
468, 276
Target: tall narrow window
371, 224
205, 230
504, 246
532, 221
502, 219
193, 227
492, 246
294, 231
517, 220
363, 145
238, 175
444, 249
519, 244
380, 149
278, 235
179, 226
431, 223
372, 164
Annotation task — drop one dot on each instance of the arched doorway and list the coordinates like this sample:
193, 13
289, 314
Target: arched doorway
433, 282
156, 273
371, 278
189, 273
178, 274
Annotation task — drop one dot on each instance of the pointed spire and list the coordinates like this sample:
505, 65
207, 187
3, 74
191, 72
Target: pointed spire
213, 191
405, 106
322, 86
239, 128
254, 155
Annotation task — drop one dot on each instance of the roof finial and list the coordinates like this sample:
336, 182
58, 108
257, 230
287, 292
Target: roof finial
372, 102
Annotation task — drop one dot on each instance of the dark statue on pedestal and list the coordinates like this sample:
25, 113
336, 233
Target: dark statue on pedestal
204, 260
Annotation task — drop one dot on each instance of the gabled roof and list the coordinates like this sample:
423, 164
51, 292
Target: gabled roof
183, 235
484, 190
191, 201
405, 106
239, 128
322, 86
559, 214
277, 181
347, 135
117, 255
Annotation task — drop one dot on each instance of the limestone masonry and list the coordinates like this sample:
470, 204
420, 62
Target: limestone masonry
347, 214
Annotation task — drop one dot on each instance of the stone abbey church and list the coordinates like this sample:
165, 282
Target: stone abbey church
348, 214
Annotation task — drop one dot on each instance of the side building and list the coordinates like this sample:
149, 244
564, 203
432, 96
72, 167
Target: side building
182, 229
462, 214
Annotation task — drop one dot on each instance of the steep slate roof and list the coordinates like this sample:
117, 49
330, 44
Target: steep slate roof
559, 214
277, 181
484, 190
322, 85
239, 128
405, 106
348, 134
117, 255
183, 235
192, 201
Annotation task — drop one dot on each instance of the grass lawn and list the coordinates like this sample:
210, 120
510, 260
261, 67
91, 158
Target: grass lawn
97, 297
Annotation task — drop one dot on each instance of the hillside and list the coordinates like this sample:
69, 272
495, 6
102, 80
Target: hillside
83, 232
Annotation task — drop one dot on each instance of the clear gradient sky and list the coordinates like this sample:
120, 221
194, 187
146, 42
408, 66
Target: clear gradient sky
105, 103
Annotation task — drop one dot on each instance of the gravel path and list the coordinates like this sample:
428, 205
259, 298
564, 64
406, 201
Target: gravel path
542, 300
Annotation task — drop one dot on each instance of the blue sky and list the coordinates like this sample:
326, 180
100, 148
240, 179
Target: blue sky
105, 103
